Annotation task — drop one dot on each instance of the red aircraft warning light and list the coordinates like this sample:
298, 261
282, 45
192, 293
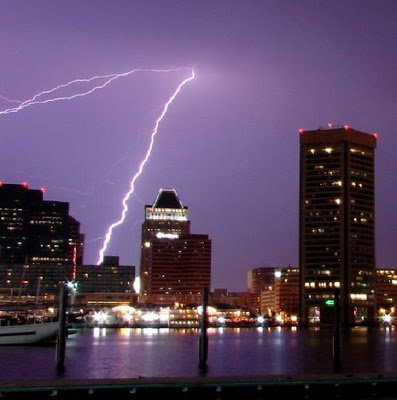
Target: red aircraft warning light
375, 135
346, 127
301, 131
25, 185
42, 189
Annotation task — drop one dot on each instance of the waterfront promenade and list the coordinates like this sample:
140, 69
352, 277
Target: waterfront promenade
337, 386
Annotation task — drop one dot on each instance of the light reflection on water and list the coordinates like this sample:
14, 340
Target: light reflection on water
132, 352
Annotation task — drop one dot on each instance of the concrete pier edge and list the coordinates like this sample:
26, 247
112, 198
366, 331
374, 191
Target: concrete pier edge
298, 384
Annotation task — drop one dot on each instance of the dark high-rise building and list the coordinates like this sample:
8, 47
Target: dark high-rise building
109, 276
337, 224
175, 264
36, 231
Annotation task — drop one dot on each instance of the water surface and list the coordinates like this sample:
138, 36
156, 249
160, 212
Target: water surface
130, 353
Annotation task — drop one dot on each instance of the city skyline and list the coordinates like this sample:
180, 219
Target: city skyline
229, 144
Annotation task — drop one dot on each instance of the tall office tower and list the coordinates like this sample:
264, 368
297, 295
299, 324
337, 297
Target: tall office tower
35, 231
175, 264
337, 224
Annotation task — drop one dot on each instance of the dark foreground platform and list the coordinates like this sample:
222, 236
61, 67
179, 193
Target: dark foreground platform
253, 387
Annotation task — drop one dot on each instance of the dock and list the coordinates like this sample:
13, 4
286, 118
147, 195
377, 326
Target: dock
338, 386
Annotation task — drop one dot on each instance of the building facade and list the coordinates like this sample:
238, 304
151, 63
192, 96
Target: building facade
386, 288
282, 298
32, 282
337, 224
109, 276
276, 290
108, 284
175, 264
41, 283
36, 231
258, 280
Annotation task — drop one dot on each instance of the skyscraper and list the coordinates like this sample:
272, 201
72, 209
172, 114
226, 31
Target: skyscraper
337, 224
37, 231
175, 264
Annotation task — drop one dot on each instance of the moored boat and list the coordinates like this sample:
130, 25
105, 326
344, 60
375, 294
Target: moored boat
28, 333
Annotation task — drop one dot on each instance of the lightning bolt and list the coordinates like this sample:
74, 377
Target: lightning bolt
141, 166
38, 99
108, 79
9, 100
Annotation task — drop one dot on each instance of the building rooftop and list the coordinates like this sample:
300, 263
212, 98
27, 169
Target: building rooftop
337, 134
168, 198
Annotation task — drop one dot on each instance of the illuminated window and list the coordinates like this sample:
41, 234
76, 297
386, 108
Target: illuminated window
337, 183
358, 296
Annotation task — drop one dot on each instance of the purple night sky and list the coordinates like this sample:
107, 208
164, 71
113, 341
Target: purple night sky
230, 142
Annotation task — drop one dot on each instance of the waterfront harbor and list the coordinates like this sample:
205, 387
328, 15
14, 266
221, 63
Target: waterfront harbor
103, 353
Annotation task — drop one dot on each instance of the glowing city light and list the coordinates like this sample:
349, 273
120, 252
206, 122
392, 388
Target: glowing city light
101, 317
137, 285
161, 235
150, 316
141, 166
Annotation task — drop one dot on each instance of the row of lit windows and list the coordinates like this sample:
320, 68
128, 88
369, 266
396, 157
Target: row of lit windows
359, 173
42, 222
327, 150
41, 259
322, 284
360, 152
336, 200
322, 171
